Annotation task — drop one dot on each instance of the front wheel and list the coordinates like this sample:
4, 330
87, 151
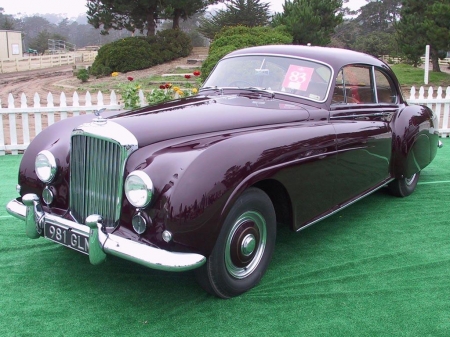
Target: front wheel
404, 186
244, 247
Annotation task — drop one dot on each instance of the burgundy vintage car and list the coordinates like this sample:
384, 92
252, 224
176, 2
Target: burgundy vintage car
277, 135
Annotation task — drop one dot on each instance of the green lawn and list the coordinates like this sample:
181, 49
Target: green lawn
381, 267
409, 76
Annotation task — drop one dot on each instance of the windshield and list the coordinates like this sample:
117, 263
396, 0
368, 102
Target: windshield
292, 76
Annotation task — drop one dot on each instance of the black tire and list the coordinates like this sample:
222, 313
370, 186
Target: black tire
243, 249
404, 186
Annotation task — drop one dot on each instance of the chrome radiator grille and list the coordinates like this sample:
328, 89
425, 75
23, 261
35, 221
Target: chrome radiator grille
96, 178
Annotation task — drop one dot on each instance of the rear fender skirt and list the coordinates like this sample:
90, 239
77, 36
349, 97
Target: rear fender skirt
414, 140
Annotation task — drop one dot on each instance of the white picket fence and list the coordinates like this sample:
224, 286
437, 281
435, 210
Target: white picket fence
19, 125
436, 102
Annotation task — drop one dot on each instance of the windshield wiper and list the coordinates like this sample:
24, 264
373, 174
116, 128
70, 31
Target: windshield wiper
252, 89
259, 89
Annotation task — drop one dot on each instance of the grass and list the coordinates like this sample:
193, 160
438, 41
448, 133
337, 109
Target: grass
409, 76
381, 267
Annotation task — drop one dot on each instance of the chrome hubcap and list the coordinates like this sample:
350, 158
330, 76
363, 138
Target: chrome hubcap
245, 245
248, 245
410, 180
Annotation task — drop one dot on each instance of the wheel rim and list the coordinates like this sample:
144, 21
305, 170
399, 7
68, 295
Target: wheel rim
410, 180
246, 243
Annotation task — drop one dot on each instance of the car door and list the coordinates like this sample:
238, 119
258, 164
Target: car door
363, 104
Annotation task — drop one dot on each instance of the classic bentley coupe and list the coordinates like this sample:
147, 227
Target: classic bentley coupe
277, 135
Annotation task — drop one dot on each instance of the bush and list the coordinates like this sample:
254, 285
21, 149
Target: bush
83, 75
233, 38
134, 53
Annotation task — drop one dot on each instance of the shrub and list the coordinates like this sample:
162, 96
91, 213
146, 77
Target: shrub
83, 75
233, 38
134, 53
175, 42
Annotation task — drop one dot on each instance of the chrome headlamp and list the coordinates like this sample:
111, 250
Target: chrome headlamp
139, 189
45, 166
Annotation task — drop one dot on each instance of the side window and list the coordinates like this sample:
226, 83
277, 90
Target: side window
354, 85
386, 92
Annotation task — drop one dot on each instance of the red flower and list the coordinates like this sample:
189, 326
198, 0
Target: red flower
187, 76
196, 73
129, 78
168, 85
162, 86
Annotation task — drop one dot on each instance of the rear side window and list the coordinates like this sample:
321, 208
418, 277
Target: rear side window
386, 92
358, 84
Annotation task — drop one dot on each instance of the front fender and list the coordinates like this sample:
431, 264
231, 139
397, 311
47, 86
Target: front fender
415, 140
199, 180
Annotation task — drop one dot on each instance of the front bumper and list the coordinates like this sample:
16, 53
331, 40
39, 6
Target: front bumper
101, 243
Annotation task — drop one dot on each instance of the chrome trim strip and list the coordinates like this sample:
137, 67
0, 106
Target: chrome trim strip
375, 114
345, 205
110, 243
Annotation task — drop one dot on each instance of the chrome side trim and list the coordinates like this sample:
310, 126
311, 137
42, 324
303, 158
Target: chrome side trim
105, 243
345, 205
375, 114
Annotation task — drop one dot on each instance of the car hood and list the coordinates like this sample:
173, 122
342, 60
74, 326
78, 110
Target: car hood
200, 114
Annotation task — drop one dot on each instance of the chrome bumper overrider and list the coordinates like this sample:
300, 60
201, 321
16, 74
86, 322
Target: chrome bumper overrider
101, 243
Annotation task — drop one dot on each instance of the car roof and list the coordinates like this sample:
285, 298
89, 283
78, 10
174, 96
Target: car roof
336, 57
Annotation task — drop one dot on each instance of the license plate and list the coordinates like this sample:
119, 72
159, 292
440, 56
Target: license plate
67, 237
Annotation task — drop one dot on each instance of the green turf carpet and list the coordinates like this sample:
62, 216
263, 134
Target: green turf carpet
381, 267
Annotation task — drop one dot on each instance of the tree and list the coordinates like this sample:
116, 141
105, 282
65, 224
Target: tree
140, 15
6, 22
379, 15
249, 13
31, 26
376, 44
424, 23
123, 14
40, 42
310, 21
190, 27
184, 9
372, 30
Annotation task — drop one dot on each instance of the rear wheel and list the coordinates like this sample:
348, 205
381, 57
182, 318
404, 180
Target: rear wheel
244, 247
404, 186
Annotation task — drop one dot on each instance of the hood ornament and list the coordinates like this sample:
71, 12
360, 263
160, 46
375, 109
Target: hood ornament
99, 120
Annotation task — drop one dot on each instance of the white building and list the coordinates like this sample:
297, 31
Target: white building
10, 44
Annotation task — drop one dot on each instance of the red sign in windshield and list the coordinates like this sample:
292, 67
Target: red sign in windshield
298, 77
